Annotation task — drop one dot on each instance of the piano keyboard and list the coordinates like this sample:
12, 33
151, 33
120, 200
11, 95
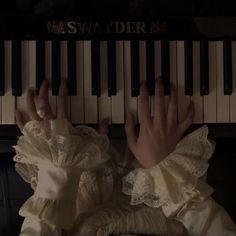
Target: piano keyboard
103, 76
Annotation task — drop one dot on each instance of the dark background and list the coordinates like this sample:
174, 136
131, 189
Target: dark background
120, 8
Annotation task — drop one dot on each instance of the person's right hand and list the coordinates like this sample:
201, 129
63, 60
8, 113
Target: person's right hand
158, 136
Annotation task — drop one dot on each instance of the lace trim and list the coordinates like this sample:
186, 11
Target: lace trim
174, 181
57, 142
61, 152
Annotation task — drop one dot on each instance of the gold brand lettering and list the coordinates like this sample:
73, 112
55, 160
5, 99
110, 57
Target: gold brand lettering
72, 29
84, 27
109, 27
131, 27
119, 27
97, 27
141, 27
56, 27
158, 27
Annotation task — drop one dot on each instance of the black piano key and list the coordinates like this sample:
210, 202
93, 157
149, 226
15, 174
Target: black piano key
165, 65
56, 66
16, 68
111, 67
40, 63
188, 55
150, 66
228, 82
135, 68
96, 71
2, 71
204, 68
71, 59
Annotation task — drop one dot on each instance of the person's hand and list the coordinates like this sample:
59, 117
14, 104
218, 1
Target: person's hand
158, 135
38, 107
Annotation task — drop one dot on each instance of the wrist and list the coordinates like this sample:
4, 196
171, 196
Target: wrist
56, 182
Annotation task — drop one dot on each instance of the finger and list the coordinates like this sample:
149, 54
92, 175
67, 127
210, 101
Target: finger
187, 122
145, 117
130, 131
43, 101
19, 120
32, 112
172, 112
159, 113
63, 100
103, 127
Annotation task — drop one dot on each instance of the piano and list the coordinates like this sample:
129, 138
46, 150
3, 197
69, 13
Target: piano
105, 51
104, 62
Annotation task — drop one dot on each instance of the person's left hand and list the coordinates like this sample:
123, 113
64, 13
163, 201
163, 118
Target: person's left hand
38, 107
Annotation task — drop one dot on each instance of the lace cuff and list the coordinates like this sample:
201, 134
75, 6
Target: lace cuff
59, 153
174, 181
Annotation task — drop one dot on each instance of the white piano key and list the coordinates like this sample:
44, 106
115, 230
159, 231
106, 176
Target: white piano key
173, 63
48, 74
90, 102
118, 100
104, 101
183, 100
77, 102
197, 98
28, 66
0, 110
233, 95
131, 103
142, 60
157, 48
209, 113
21, 103
32, 63
64, 69
223, 106
7, 107
157, 63
142, 66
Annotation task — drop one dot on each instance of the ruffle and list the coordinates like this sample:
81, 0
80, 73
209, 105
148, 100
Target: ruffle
26, 171
55, 153
175, 180
59, 143
50, 211
32, 227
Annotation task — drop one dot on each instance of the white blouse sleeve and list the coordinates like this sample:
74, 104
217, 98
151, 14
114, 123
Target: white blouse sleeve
175, 186
56, 154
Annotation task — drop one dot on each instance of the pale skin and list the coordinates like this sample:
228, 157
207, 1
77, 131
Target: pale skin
158, 135
42, 102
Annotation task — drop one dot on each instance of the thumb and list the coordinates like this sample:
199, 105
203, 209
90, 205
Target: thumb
103, 127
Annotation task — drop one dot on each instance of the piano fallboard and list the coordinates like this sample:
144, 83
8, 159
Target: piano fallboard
169, 27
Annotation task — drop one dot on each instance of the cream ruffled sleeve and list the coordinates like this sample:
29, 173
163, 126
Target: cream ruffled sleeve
175, 186
56, 154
